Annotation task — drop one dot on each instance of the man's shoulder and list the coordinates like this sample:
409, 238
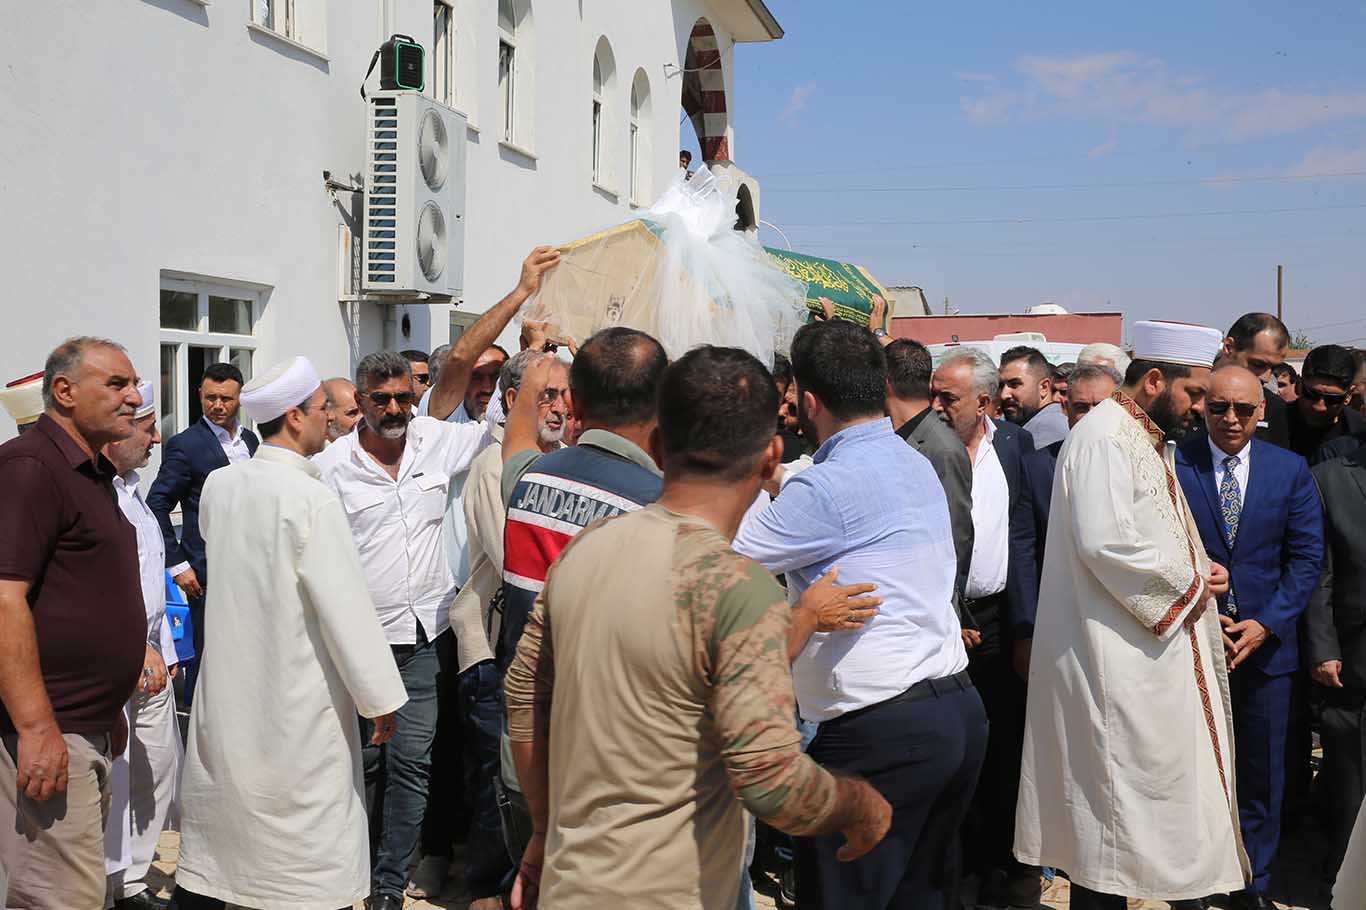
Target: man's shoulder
336, 453
1194, 450
1283, 461
26, 461
600, 469
709, 575
193, 435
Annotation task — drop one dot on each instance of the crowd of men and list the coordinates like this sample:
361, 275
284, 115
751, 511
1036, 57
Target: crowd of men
955, 628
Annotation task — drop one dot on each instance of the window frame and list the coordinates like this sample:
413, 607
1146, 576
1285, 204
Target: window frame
223, 343
633, 165
291, 23
597, 120
507, 96
450, 96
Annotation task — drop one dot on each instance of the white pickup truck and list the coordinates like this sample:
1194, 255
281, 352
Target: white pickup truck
1056, 352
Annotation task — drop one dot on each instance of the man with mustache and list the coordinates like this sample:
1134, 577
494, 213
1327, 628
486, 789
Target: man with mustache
72, 628
394, 477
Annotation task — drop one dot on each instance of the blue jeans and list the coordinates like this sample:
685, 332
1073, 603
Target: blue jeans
488, 869
397, 773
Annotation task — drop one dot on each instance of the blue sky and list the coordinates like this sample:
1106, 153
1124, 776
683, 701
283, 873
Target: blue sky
1159, 160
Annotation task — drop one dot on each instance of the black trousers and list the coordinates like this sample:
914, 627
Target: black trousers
990, 828
923, 756
1343, 776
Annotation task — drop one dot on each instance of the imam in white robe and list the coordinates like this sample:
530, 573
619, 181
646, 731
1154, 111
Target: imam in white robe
1350, 889
273, 812
1127, 782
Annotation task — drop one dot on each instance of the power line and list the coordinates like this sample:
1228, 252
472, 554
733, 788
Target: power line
878, 169
971, 188
1070, 219
1332, 325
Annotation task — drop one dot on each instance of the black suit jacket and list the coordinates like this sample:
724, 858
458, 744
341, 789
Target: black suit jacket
931, 436
1334, 626
1028, 535
1012, 444
186, 460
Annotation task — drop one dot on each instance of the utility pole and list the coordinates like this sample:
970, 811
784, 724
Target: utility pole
1280, 269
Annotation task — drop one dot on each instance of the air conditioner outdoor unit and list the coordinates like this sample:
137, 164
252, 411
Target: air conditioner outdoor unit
414, 211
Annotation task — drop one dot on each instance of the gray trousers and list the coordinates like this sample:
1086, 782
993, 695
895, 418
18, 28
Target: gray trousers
53, 851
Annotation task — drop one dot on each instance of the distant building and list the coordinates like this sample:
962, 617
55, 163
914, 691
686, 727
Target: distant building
1049, 320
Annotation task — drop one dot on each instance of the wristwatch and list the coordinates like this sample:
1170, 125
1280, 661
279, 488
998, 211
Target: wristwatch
879, 333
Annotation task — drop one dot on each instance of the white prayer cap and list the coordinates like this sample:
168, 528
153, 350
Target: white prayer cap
23, 398
1177, 342
280, 388
148, 406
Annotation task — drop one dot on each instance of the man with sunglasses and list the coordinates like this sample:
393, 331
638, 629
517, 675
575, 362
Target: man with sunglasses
394, 477
1258, 513
1320, 415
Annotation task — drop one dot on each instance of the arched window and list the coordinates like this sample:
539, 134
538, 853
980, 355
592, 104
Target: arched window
515, 73
640, 144
597, 119
606, 119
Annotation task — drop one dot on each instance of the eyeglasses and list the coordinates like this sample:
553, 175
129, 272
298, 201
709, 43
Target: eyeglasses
382, 399
424, 378
1244, 410
1328, 398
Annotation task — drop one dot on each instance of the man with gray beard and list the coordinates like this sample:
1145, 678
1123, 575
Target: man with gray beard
393, 478
475, 697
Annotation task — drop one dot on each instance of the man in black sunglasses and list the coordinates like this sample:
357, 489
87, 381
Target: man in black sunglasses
1258, 512
1320, 416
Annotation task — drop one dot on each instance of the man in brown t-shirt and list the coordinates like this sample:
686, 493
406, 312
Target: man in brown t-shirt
72, 628
672, 705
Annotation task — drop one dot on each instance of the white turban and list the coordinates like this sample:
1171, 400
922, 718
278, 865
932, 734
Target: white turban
284, 386
23, 398
1177, 342
148, 405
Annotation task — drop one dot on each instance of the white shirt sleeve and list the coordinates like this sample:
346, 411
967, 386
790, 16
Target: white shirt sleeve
460, 443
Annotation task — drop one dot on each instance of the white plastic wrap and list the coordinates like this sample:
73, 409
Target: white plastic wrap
679, 272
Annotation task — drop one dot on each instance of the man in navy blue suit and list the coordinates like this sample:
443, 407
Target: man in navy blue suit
187, 459
1088, 385
1259, 514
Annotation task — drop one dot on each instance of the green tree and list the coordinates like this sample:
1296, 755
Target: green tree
1301, 340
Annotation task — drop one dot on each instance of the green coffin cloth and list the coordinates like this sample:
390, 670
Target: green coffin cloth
848, 286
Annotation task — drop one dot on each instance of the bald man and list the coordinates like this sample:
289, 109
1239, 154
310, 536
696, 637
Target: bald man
1258, 512
343, 411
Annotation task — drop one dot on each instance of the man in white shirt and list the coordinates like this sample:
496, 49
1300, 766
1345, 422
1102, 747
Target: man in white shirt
393, 477
146, 777
962, 390
187, 459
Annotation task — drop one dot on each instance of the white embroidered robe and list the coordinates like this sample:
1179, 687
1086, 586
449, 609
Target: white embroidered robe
273, 809
1127, 781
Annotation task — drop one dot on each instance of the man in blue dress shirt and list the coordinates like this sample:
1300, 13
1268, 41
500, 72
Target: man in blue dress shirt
893, 698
